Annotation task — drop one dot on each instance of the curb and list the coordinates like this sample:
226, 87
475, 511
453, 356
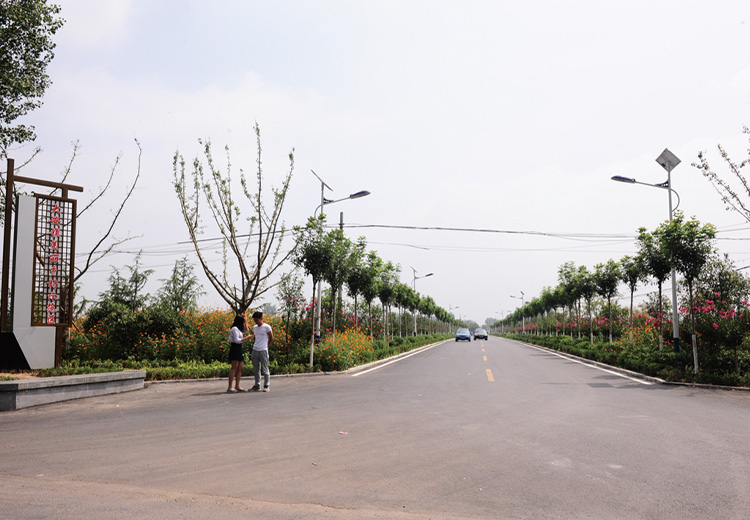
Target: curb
637, 375
209, 379
352, 370
379, 362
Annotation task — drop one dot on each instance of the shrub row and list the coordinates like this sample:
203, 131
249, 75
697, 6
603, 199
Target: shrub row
646, 358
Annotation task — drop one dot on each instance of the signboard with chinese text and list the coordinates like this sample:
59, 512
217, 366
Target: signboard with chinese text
54, 252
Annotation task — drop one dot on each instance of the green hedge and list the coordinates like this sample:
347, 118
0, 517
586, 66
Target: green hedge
174, 369
643, 358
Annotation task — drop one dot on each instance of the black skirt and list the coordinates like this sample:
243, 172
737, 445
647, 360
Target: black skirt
235, 352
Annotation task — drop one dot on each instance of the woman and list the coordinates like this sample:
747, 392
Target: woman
235, 352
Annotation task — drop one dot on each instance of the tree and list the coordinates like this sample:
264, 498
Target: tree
633, 272
386, 283
339, 267
607, 276
374, 266
731, 198
291, 300
689, 246
587, 285
312, 258
404, 294
721, 275
428, 308
566, 274
657, 264
356, 277
26, 48
263, 228
129, 291
180, 292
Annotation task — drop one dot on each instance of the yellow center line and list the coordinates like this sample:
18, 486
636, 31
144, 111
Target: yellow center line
490, 377
485, 358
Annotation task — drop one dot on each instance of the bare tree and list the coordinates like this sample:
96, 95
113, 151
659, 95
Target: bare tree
106, 242
263, 229
104, 245
733, 200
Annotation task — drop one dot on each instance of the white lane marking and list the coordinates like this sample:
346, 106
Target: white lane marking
398, 359
641, 381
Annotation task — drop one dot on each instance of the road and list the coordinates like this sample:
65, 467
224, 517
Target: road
489, 429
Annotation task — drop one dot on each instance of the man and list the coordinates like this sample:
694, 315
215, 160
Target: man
263, 339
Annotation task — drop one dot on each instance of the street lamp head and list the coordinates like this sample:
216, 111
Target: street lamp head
425, 276
359, 194
620, 178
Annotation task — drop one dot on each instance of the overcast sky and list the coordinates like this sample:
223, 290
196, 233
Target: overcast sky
496, 115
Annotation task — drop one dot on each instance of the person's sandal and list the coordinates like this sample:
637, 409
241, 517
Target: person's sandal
231, 390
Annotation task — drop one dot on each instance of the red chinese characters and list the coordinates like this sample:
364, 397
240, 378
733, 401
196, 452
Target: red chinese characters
53, 262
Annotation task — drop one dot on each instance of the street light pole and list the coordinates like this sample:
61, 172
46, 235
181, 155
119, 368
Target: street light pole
523, 304
323, 202
502, 325
450, 311
668, 161
414, 288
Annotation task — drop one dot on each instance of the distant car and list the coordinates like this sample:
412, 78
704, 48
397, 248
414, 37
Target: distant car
463, 335
480, 334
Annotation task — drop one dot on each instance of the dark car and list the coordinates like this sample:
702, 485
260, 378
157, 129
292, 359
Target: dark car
480, 334
463, 335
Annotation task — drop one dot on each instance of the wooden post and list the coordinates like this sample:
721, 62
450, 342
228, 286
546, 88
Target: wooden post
6, 246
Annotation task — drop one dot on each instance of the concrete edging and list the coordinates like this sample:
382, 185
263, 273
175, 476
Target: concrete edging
23, 393
373, 364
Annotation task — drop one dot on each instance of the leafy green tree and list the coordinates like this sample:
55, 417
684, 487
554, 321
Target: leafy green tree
209, 191
607, 276
312, 258
290, 295
356, 278
129, 292
338, 269
403, 295
587, 285
427, 307
180, 292
26, 49
633, 272
386, 284
657, 264
372, 270
566, 274
689, 245
720, 275
291, 301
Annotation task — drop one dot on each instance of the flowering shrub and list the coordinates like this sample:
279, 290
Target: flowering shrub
722, 333
345, 350
197, 341
152, 334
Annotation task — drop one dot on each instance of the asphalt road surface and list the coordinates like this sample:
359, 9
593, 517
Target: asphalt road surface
489, 429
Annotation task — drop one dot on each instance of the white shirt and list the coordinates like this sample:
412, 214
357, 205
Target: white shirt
235, 335
261, 336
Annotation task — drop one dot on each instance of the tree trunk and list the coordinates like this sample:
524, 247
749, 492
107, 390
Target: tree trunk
692, 328
355, 310
631, 316
609, 312
312, 340
658, 318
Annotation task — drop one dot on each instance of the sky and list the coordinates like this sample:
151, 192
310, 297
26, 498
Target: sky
509, 117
